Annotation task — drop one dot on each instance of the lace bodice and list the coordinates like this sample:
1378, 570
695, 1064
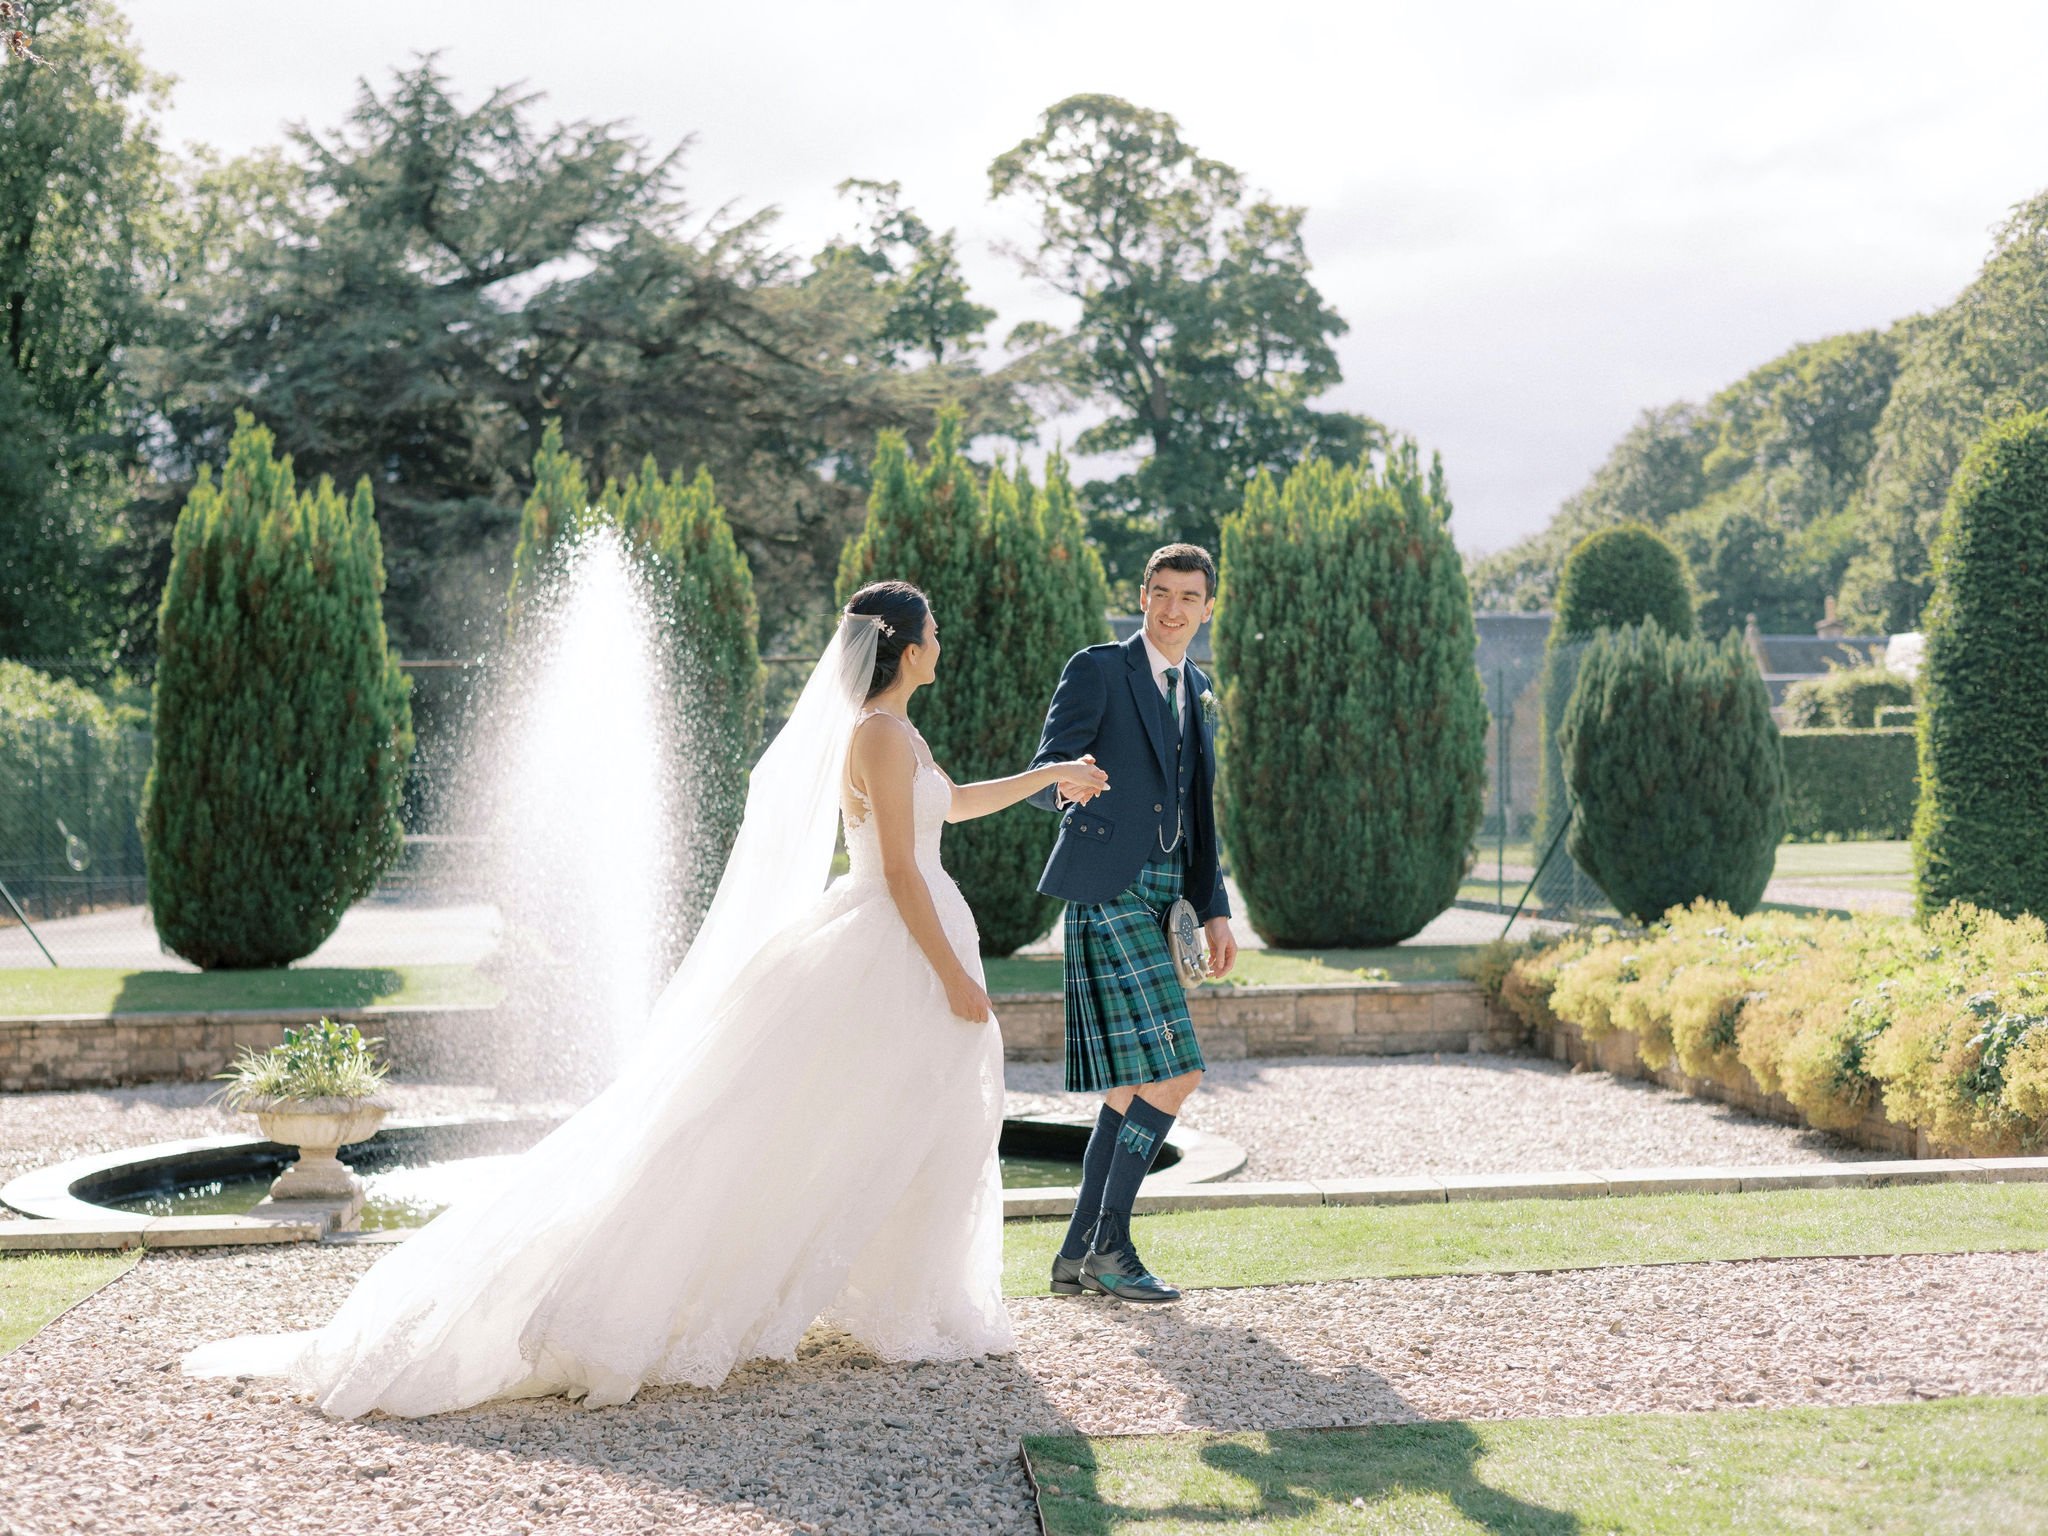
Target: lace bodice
932, 797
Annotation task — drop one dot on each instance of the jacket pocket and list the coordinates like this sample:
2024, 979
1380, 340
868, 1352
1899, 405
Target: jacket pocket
1087, 825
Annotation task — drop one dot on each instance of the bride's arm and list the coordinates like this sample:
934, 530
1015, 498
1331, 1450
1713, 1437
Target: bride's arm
992, 795
884, 765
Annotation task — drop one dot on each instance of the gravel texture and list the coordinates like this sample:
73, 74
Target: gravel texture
1363, 1116
101, 1434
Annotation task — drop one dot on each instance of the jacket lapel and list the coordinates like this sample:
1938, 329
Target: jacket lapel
1151, 707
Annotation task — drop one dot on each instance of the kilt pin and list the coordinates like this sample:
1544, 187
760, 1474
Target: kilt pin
1122, 860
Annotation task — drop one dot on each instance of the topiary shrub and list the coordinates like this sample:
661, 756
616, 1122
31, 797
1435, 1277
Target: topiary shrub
281, 724
702, 593
1850, 784
1981, 833
1354, 720
1898, 717
556, 511
1846, 698
1672, 766
1618, 576
1017, 590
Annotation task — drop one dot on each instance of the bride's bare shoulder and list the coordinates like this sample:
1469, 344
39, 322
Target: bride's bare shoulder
882, 742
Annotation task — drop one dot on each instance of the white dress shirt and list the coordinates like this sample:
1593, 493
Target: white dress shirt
1160, 663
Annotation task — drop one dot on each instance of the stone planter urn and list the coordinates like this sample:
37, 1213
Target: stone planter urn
319, 1128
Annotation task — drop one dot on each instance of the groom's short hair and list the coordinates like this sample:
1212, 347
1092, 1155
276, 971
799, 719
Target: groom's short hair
1180, 557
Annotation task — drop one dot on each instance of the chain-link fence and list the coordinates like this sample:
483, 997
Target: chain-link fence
69, 841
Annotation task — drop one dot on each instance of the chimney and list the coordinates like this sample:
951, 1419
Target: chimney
1830, 627
1754, 639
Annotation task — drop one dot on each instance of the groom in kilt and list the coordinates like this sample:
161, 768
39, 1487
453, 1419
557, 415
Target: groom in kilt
1145, 715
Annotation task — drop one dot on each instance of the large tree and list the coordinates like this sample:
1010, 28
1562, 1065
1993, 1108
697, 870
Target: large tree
413, 294
1980, 359
82, 186
1200, 331
1755, 488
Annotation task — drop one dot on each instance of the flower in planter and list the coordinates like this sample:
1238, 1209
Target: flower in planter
326, 1061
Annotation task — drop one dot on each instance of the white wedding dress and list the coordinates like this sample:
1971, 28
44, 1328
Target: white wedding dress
821, 1144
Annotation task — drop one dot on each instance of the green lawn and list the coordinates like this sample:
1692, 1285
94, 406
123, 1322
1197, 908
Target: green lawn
1267, 967
37, 1287
82, 990
1966, 1464
1883, 864
1284, 1245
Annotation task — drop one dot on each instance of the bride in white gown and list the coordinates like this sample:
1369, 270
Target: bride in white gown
808, 1131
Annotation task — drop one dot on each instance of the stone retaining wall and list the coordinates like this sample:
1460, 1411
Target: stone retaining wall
1616, 1053
90, 1051
1236, 1022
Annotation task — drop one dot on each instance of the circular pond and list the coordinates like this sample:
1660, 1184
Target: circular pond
413, 1172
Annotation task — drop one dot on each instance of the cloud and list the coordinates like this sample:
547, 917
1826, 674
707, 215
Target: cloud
1538, 221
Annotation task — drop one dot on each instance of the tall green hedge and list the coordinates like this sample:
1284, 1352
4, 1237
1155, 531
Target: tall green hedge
281, 721
1981, 834
1616, 577
1846, 697
1850, 783
702, 591
1672, 765
1017, 590
1354, 719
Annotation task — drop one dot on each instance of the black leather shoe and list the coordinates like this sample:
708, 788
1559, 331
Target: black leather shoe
1066, 1275
1113, 1267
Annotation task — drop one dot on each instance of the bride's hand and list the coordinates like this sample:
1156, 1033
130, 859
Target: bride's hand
1079, 781
968, 998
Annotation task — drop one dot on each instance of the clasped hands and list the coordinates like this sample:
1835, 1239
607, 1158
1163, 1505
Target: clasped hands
1080, 781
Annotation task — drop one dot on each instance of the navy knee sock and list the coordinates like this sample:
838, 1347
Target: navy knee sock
1137, 1144
1094, 1171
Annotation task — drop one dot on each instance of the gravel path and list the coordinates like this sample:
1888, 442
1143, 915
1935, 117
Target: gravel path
1362, 1116
101, 1434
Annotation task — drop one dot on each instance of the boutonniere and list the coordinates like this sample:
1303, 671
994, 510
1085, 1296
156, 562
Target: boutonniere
1208, 702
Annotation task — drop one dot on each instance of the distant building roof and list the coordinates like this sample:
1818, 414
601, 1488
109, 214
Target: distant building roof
1810, 655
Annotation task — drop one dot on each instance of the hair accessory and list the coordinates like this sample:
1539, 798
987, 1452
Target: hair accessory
878, 621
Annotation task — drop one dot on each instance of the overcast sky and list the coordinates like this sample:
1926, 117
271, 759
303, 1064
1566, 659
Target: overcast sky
1537, 220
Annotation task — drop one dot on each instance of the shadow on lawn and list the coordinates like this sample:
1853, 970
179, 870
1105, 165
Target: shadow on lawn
1378, 1451
180, 991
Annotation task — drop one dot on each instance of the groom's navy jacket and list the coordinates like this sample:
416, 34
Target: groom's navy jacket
1108, 704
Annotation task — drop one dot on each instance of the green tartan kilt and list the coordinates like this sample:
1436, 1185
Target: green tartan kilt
1127, 1017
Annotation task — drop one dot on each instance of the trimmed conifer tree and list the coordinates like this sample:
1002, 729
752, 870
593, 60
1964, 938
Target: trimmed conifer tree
1616, 577
1675, 778
282, 728
702, 591
1980, 833
1017, 590
558, 509
1353, 716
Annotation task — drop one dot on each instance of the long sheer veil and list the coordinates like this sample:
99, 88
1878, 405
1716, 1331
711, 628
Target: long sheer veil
782, 857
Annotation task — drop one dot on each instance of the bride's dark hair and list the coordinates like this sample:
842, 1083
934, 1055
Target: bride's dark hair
906, 618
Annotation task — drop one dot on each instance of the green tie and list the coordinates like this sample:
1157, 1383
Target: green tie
1173, 693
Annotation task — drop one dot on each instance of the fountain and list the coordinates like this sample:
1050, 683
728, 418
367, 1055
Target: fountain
572, 780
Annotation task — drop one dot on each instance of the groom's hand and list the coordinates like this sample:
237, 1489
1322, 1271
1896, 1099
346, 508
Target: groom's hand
1222, 946
1089, 781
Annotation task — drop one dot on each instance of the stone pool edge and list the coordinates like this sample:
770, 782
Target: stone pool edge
208, 1231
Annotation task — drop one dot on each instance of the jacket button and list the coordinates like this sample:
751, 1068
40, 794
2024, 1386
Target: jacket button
1158, 808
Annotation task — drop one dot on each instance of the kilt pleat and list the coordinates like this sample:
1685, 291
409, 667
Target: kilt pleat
1127, 1015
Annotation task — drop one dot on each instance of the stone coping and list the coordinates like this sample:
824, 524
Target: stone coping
114, 1230
370, 1012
